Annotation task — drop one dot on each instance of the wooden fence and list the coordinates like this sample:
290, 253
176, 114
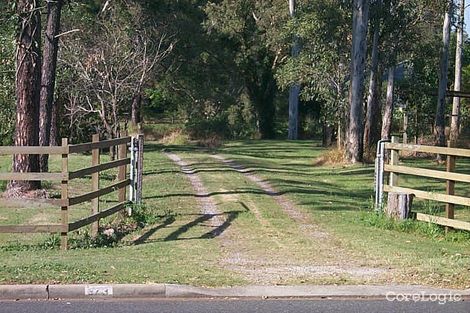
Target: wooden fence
65, 176
449, 177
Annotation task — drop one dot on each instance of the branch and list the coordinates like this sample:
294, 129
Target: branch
68, 32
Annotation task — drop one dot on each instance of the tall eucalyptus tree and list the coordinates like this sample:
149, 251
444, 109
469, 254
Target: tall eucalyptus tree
48, 77
28, 78
358, 56
439, 124
371, 130
455, 120
294, 90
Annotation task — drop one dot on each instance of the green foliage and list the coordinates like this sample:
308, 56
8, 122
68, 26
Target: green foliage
241, 121
159, 103
7, 72
144, 215
323, 28
207, 127
116, 56
252, 29
157, 130
430, 230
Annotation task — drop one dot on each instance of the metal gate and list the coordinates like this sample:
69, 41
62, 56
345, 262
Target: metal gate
137, 161
379, 174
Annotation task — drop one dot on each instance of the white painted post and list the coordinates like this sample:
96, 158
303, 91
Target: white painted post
132, 171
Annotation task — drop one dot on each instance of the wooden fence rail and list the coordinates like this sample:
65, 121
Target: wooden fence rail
65, 176
449, 176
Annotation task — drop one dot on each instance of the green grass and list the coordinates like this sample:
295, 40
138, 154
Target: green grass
158, 252
338, 198
436, 186
172, 245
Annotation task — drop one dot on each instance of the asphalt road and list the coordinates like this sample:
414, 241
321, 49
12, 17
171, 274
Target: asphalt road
229, 306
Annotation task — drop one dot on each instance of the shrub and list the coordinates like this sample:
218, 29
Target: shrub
202, 128
157, 131
212, 142
333, 156
177, 137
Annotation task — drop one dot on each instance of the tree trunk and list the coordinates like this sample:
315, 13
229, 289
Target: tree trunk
136, 109
294, 90
371, 131
28, 76
339, 137
49, 65
327, 134
439, 123
358, 56
55, 112
261, 91
388, 110
293, 132
265, 112
455, 121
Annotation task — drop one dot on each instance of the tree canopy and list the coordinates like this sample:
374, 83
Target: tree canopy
224, 68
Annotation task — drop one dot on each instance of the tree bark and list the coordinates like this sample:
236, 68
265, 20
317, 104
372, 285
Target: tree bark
28, 76
358, 56
455, 121
439, 124
294, 91
327, 134
136, 109
388, 110
339, 137
55, 112
371, 131
48, 77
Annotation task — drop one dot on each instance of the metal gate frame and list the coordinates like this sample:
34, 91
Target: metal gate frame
136, 171
379, 174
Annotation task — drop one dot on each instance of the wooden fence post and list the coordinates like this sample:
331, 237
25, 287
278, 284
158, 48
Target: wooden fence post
95, 181
393, 179
399, 205
122, 154
450, 185
64, 195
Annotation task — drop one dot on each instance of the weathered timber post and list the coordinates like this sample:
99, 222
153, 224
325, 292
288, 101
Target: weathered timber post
450, 184
122, 154
95, 182
64, 195
399, 205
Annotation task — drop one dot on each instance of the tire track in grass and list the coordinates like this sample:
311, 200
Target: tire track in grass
339, 267
271, 267
287, 205
208, 207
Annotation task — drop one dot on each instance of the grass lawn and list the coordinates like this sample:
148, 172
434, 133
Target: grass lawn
339, 198
169, 256
261, 244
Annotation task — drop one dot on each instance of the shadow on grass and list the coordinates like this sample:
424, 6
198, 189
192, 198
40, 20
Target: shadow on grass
155, 147
217, 231
142, 239
200, 221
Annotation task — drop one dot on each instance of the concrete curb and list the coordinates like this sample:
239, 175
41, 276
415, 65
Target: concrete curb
13, 292
160, 291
